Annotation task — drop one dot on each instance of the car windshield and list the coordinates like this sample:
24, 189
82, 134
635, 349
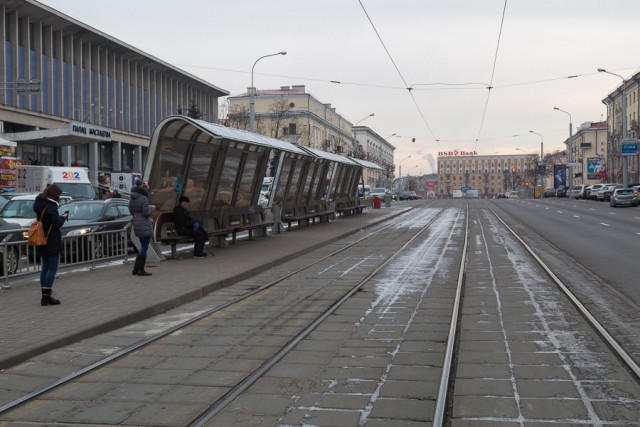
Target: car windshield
77, 190
18, 209
82, 211
625, 191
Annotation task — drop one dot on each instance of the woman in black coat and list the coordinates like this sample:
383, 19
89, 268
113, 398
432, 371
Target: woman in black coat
46, 209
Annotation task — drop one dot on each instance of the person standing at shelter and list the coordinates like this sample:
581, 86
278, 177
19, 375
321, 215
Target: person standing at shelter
46, 208
186, 226
142, 225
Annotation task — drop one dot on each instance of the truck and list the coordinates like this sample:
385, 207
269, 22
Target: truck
74, 181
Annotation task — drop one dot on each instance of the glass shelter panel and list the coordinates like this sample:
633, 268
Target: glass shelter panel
294, 185
167, 177
224, 196
248, 180
284, 179
199, 172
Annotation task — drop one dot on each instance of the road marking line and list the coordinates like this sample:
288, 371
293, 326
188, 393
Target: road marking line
576, 216
606, 225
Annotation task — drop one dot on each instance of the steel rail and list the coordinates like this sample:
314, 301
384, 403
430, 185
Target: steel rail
250, 379
135, 346
617, 348
443, 387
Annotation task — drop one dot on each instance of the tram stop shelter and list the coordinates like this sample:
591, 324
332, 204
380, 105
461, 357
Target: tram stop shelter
221, 170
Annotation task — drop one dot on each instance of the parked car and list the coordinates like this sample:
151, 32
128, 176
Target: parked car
593, 192
90, 216
19, 209
636, 188
501, 196
561, 191
623, 197
577, 192
379, 191
5, 196
604, 194
550, 192
407, 195
12, 232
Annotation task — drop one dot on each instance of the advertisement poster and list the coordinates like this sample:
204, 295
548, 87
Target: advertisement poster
8, 172
559, 176
594, 167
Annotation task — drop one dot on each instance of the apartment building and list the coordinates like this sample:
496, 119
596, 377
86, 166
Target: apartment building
293, 114
624, 99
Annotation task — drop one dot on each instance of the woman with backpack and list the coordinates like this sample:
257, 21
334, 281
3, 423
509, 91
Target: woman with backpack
46, 210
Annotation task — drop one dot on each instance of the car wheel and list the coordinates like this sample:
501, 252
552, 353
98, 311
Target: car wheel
13, 261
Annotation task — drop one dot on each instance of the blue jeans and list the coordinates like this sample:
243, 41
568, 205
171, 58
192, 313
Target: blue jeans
144, 245
49, 270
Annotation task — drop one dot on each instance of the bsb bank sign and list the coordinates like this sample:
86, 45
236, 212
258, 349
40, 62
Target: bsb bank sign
87, 130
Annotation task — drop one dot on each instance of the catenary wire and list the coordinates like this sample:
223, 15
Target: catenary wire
493, 71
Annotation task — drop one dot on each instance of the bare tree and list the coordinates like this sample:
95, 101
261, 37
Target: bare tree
238, 117
279, 110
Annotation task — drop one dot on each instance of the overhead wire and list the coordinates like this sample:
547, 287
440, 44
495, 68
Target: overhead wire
493, 71
409, 89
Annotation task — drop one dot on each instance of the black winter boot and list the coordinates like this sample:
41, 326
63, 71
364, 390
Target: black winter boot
141, 272
47, 299
136, 265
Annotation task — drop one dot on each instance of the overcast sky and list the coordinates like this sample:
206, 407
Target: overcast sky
379, 48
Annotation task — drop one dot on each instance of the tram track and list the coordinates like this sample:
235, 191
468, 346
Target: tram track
598, 383
140, 346
465, 303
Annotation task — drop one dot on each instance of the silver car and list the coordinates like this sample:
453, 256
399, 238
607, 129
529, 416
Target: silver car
623, 197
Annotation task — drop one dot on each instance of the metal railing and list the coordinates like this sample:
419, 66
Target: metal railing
20, 259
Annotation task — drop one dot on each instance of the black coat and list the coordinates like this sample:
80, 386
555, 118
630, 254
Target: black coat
50, 218
182, 220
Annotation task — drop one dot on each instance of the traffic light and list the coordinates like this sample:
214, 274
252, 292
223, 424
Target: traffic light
526, 183
513, 170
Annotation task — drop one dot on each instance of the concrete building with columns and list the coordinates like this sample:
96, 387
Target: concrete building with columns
90, 99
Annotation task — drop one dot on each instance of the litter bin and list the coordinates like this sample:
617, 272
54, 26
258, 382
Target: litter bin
376, 202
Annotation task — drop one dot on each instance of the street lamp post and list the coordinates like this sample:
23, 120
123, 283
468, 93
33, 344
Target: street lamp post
541, 162
252, 91
624, 125
353, 131
409, 176
400, 166
570, 146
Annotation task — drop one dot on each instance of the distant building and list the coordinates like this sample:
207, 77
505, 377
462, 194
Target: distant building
490, 175
613, 101
376, 149
292, 114
75, 95
589, 145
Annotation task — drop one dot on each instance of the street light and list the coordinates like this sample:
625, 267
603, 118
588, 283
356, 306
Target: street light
541, 162
252, 91
392, 135
400, 166
624, 125
370, 115
409, 176
570, 145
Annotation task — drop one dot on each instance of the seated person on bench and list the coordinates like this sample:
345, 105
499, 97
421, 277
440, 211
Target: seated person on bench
187, 226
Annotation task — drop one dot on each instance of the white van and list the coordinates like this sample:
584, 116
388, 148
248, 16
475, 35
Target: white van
73, 181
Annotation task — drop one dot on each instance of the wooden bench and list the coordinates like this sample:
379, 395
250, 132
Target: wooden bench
348, 206
306, 213
219, 223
